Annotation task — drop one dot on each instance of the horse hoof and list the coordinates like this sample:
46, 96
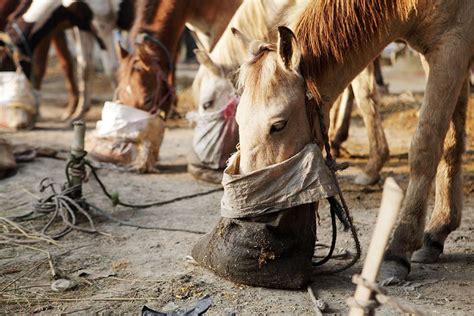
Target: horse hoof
392, 273
426, 254
364, 179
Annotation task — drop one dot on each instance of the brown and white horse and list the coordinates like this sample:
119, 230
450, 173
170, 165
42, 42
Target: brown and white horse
334, 40
32, 27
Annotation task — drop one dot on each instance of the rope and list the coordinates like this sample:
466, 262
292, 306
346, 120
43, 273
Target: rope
114, 197
66, 203
380, 298
342, 211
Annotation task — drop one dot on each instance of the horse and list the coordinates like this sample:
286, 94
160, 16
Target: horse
38, 20
284, 85
12, 8
212, 86
146, 76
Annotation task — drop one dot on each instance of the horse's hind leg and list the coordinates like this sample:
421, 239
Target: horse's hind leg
366, 97
65, 59
442, 93
40, 61
446, 215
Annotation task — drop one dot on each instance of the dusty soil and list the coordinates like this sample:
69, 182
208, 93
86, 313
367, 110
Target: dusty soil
126, 268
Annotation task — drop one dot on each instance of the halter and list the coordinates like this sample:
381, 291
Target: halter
313, 110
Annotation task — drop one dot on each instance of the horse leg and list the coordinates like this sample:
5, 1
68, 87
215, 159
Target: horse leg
447, 212
65, 59
383, 88
84, 51
341, 120
442, 93
366, 97
40, 60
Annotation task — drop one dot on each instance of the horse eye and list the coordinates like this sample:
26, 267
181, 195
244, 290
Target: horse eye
207, 105
278, 126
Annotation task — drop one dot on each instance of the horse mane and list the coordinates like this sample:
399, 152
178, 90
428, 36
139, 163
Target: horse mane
326, 29
257, 19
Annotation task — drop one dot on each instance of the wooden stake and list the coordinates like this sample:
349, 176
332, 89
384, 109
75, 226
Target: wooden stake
77, 151
391, 202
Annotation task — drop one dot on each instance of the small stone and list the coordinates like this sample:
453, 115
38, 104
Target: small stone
63, 285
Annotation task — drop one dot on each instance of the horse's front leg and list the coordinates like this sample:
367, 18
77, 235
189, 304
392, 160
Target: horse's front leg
445, 80
65, 59
365, 93
447, 212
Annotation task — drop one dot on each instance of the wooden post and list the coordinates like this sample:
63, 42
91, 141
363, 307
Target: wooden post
392, 197
77, 151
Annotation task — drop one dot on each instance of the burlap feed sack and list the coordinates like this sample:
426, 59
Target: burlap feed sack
127, 136
18, 101
215, 135
301, 179
267, 231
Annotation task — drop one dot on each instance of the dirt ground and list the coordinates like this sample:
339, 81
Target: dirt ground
126, 268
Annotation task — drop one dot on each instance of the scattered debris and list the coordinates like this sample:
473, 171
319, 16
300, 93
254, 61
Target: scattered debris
63, 285
201, 307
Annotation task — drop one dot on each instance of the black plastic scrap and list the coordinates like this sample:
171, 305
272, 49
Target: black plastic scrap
201, 307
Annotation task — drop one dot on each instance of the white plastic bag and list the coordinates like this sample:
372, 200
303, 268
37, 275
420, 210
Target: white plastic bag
127, 136
18, 101
215, 135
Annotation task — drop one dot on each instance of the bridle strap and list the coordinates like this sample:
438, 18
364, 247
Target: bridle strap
314, 109
171, 94
162, 46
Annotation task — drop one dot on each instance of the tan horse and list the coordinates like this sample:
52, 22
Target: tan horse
334, 41
212, 85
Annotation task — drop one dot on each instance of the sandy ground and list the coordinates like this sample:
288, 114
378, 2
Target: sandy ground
129, 267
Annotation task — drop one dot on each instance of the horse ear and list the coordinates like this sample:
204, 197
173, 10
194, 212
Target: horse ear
143, 53
288, 49
243, 38
205, 60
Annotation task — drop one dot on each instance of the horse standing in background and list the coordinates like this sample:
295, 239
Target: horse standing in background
146, 77
10, 9
32, 27
147, 74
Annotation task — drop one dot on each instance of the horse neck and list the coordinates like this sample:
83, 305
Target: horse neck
255, 19
211, 17
329, 75
166, 23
